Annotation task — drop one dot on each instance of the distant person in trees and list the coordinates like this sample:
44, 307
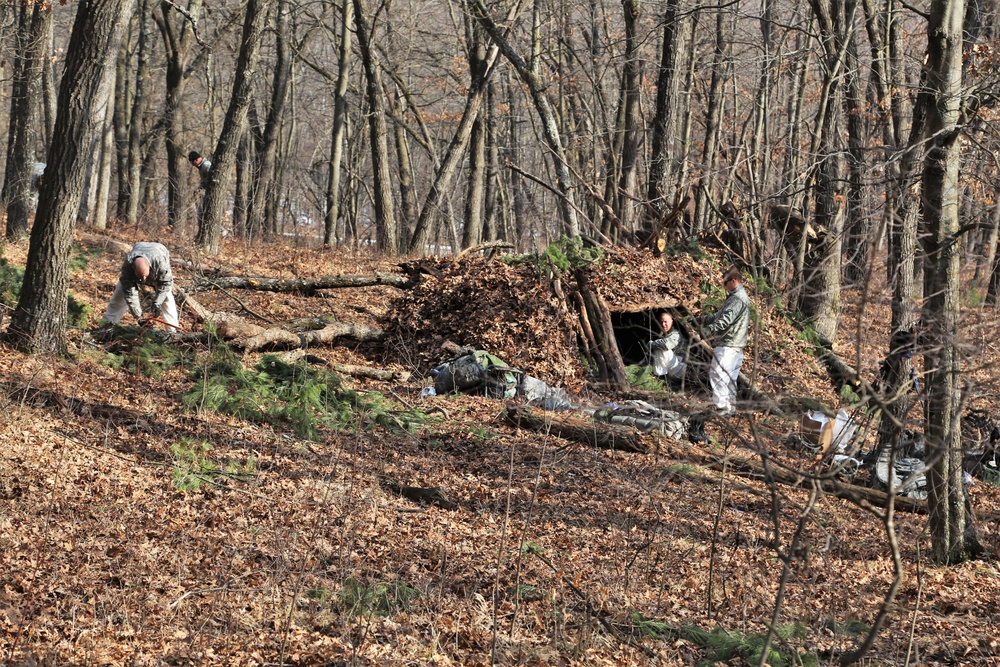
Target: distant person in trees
728, 329
204, 167
37, 174
146, 264
669, 351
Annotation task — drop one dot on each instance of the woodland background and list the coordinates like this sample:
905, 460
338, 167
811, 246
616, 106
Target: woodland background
842, 153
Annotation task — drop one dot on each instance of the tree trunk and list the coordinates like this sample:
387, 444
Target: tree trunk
385, 215
177, 36
939, 209
233, 127
133, 174
34, 20
599, 317
263, 187
472, 234
819, 299
710, 155
107, 148
339, 125
39, 321
631, 120
659, 160
857, 231
49, 101
550, 128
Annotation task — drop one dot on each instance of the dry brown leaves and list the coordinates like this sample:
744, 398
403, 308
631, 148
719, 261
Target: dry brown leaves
104, 561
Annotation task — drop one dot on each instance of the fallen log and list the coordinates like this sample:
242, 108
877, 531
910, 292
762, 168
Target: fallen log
753, 469
571, 426
347, 369
283, 339
303, 285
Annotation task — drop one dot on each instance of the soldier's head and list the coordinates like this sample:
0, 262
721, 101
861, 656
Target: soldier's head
195, 158
666, 321
140, 267
732, 278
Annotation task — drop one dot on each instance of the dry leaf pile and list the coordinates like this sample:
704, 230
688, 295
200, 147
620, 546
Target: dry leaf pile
296, 552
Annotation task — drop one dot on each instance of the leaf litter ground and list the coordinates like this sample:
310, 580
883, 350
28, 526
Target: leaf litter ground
298, 552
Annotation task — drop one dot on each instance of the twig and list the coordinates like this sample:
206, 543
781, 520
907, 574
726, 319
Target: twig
191, 19
590, 606
244, 306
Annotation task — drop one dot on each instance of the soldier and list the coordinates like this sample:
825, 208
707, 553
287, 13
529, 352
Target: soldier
668, 352
204, 167
728, 327
146, 264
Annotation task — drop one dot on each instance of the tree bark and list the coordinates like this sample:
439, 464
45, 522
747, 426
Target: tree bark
385, 215
34, 21
571, 426
599, 318
472, 233
631, 120
710, 154
263, 186
177, 36
39, 321
303, 285
339, 125
659, 160
939, 209
819, 299
233, 127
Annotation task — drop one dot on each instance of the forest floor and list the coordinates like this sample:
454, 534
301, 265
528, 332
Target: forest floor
139, 527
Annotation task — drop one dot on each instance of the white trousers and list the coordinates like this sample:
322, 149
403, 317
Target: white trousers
666, 362
118, 306
725, 368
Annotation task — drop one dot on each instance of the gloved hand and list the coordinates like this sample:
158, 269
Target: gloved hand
154, 311
141, 321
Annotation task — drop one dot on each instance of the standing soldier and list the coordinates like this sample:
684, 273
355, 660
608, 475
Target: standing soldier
728, 327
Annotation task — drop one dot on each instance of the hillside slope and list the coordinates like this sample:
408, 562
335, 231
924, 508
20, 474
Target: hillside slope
135, 530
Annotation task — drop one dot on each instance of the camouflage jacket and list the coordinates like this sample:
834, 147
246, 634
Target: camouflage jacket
730, 324
160, 278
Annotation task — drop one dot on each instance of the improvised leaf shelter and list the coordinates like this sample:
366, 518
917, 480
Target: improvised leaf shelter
569, 319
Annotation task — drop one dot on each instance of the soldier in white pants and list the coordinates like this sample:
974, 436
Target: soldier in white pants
146, 264
729, 328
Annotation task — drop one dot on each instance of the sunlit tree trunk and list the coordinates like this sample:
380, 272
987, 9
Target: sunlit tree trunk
233, 127
472, 234
631, 121
34, 20
339, 124
262, 189
713, 125
659, 157
38, 324
385, 214
819, 299
939, 210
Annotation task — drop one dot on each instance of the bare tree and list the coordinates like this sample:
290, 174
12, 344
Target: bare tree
234, 125
39, 321
33, 26
385, 215
339, 125
178, 39
951, 542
